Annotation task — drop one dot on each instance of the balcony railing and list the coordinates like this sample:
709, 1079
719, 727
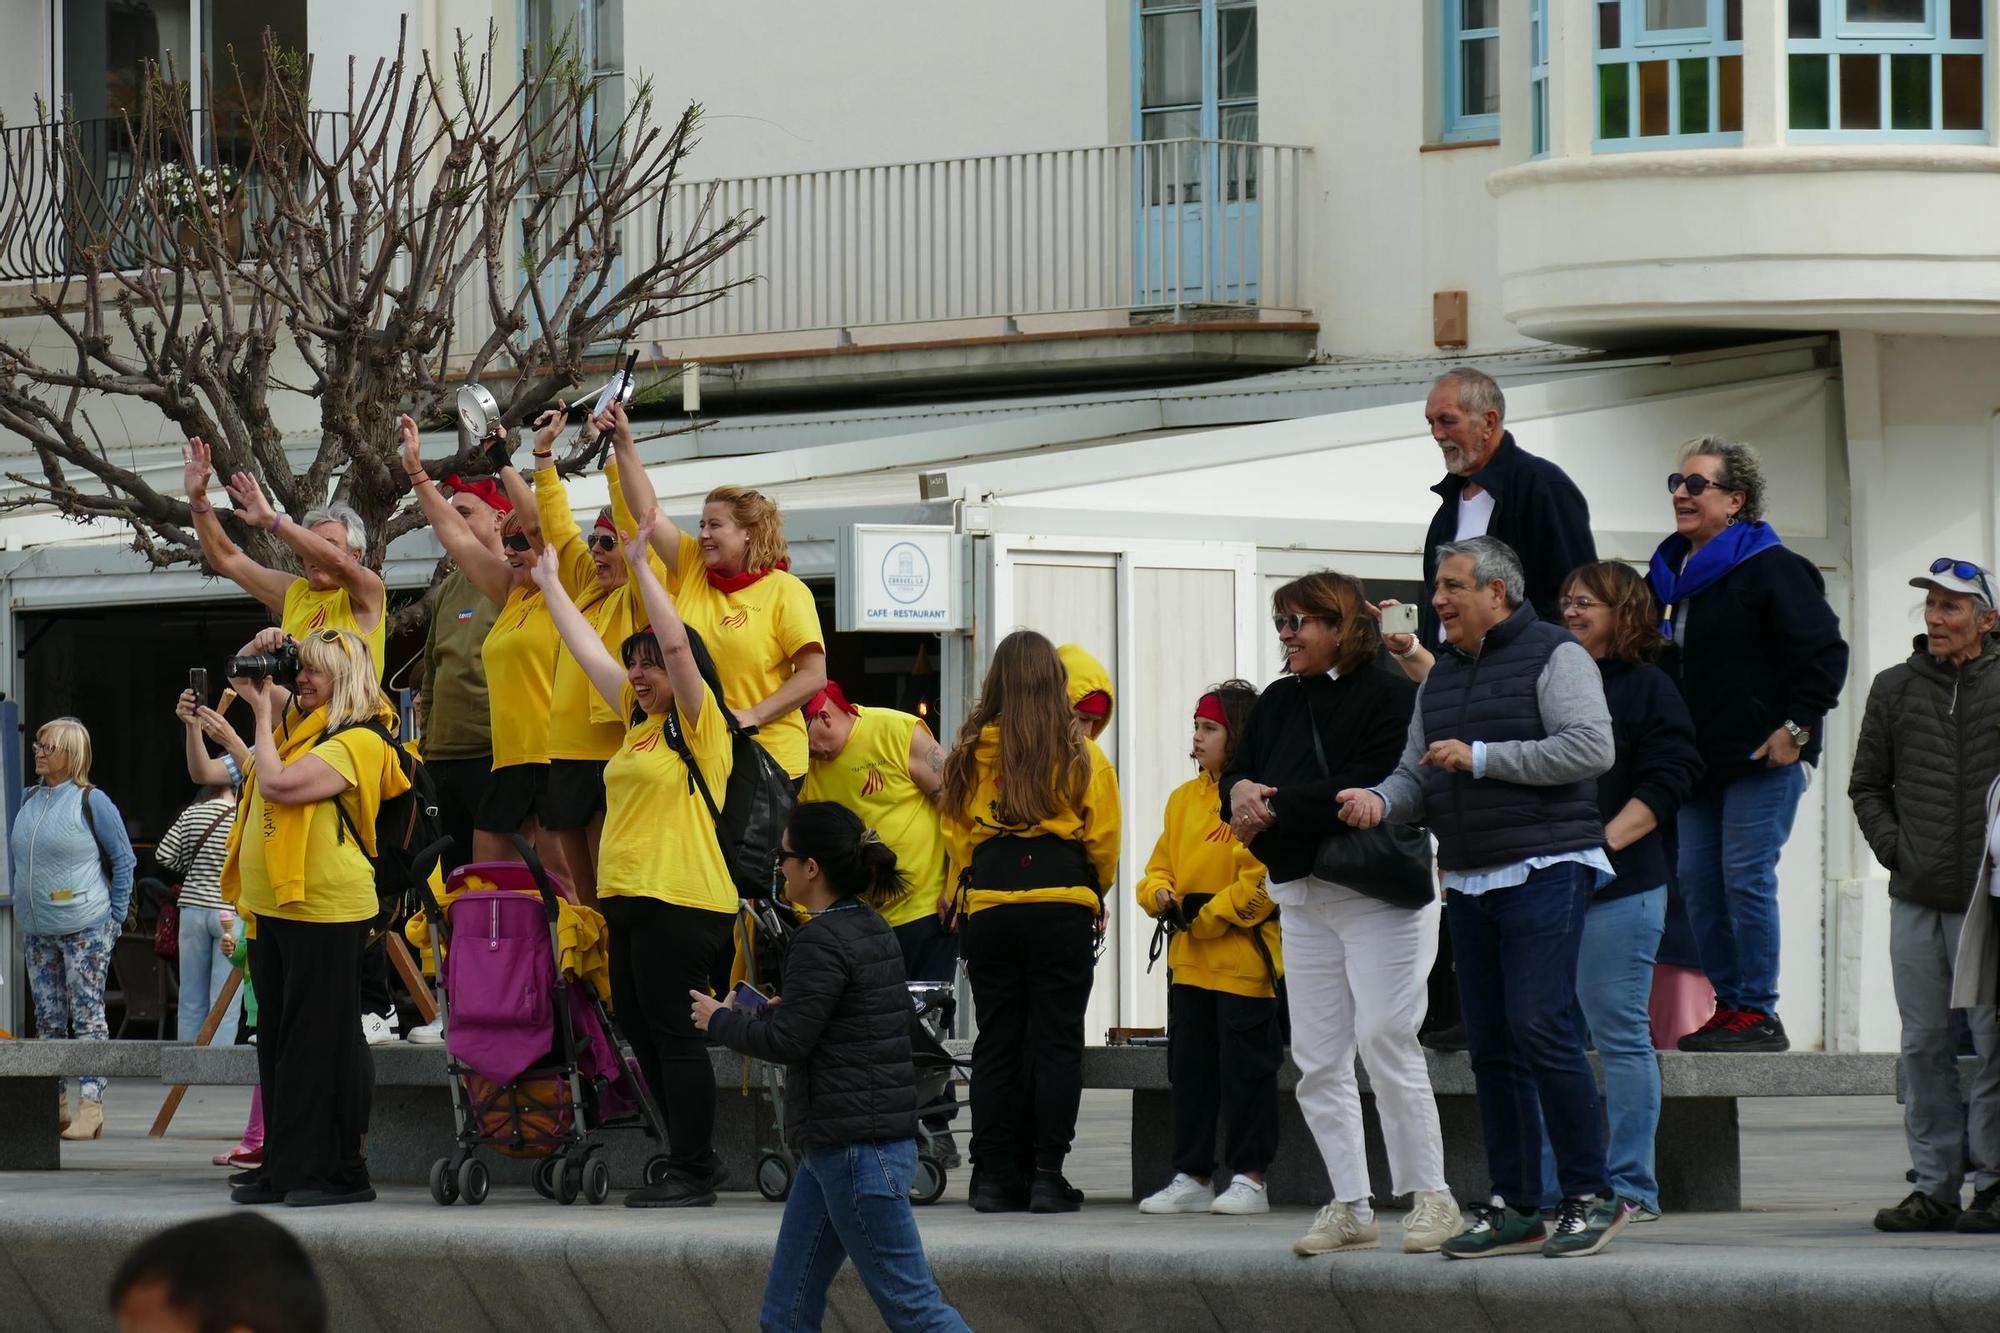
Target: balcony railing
1132, 227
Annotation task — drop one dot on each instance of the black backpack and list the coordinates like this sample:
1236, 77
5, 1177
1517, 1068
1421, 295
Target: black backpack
750, 822
409, 836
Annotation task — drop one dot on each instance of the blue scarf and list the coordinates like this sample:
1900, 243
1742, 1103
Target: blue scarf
1673, 583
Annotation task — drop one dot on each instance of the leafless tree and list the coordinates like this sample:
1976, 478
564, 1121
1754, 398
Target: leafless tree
448, 222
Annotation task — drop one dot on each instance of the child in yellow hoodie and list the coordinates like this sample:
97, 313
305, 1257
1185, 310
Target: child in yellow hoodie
1223, 965
1029, 809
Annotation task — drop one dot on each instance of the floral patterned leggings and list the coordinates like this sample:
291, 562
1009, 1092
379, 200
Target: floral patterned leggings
66, 976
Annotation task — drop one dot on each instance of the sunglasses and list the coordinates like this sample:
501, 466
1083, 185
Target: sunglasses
1966, 570
601, 541
517, 541
1297, 619
1695, 482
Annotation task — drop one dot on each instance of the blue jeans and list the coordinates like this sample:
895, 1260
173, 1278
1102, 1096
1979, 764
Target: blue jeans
854, 1202
1729, 879
203, 972
1614, 981
1515, 950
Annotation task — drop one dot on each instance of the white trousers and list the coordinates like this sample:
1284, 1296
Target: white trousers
1357, 975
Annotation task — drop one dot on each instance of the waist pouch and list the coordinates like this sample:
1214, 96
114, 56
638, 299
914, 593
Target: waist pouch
1045, 861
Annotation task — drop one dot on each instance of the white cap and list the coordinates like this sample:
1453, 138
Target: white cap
1950, 580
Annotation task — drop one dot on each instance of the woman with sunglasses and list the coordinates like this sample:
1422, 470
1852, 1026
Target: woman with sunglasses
1757, 653
1357, 968
662, 884
298, 868
519, 654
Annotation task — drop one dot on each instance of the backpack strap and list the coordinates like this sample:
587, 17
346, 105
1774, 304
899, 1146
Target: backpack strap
672, 729
402, 759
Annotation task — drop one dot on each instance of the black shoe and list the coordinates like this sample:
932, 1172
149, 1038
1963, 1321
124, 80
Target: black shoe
1741, 1032
678, 1190
1052, 1194
327, 1198
991, 1193
1445, 1039
250, 1177
1919, 1212
1983, 1217
946, 1148
256, 1192
713, 1174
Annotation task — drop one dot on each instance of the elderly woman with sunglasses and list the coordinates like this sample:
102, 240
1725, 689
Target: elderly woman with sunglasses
1757, 653
519, 654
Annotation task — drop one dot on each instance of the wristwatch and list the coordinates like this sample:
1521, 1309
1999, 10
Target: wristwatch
1801, 736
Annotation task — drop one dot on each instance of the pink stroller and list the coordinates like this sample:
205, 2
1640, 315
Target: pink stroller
535, 1062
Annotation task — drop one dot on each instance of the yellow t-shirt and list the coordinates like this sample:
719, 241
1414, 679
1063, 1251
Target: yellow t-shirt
340, 884
307, 610
871, 777
520, 656
659, 839
753, 636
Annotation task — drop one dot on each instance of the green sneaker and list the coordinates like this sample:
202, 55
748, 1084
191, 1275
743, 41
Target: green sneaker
1585, 1226
1497, 1229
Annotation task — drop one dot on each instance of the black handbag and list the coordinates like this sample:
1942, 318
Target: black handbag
1390, 862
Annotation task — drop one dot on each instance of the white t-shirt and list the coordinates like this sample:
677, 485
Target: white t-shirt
1475, 515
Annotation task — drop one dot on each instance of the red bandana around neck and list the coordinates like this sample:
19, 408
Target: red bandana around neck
728, 583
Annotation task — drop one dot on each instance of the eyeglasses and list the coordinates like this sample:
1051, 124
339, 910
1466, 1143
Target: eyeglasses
1577, 603
601, 541
517, 541
44, 747
1695, 482
1295, 621
1964, 569
787, 854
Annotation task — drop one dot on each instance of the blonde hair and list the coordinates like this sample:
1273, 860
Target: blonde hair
69, 738
342, 657
754, 512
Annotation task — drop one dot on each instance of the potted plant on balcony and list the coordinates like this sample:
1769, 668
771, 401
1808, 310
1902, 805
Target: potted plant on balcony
205, 205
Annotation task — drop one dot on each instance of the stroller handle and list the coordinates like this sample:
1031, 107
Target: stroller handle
541, 874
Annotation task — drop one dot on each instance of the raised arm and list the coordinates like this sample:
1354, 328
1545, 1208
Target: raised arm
689, 688
489, 572
553, 512
638, 487
364, 586
224, 556
203, 769
303, 781
579, 635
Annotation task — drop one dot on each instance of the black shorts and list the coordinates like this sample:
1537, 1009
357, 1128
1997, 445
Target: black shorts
512, 795
575, 794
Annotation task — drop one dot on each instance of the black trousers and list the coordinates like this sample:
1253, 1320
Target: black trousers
660, 952
1031, 967
317, 1076
461, 783
378, 992
1223, 1054
930, 953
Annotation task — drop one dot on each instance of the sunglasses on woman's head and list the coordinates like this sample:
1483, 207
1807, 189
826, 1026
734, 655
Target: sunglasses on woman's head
1695, 482
602, 541
517, 541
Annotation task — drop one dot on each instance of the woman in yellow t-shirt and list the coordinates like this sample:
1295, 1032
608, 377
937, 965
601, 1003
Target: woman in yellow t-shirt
519, 655
301, 871
734, 589
662, 884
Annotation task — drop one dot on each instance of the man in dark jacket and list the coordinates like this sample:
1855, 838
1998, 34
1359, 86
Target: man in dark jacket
1495, 488
1504, 749
1929, 750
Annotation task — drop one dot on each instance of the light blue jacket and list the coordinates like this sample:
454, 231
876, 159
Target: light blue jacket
57, 874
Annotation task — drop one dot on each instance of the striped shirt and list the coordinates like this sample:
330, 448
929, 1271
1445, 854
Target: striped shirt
196, 855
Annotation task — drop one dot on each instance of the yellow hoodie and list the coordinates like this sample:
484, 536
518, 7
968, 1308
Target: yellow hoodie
1198, 854
1087, 676
1094, 825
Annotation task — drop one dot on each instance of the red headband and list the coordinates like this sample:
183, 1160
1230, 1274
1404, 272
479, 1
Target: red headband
1095, 704
831, 695
1210, 707
604, 522
481, 488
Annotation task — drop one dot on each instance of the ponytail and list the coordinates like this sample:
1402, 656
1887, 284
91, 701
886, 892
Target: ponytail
855, 860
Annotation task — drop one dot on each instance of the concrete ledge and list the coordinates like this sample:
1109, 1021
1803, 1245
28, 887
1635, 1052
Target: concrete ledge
113, 1059
397, 1065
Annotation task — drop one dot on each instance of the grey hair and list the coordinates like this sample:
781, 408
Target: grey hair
1742, 471
1492, 559
357, 531
1478, 392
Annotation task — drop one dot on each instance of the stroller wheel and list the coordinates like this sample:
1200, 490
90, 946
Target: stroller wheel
596, 1180
473, 1181
444, 1185
656, 1170
569, 1182
544, 1176
774, 1176
927, 1185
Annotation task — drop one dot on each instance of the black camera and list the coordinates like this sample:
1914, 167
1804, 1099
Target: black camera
282, 666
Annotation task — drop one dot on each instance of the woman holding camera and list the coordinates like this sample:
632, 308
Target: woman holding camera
303, 873
662, 885
519, 654
843, 1031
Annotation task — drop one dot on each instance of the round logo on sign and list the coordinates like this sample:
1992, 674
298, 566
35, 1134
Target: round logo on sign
906, 572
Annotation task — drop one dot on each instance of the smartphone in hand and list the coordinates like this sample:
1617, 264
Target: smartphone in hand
198, 682
749, 999
1400, 618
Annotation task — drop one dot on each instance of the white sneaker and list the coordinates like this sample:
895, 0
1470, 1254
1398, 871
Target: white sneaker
379, 1029
1183, 1194
430, 1034
1244, 1198
1337, 1228
1434, 1219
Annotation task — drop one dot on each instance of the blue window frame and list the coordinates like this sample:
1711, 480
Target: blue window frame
1887, 71
1471, 70
1669, 74
1195, 77
1538, 78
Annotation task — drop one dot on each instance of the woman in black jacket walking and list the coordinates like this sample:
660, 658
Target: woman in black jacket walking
843, 1033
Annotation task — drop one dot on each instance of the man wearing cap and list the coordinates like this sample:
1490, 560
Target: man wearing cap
458, 743
1929, 749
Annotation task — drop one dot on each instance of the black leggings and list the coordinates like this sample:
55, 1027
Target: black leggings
317, 1075
1223, 1055
1031, 966
660, 952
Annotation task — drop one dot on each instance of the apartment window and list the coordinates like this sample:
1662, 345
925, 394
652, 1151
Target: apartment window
1197, 64
1538, 78
1887, 71
592, 34
1471, 70
1669, 74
